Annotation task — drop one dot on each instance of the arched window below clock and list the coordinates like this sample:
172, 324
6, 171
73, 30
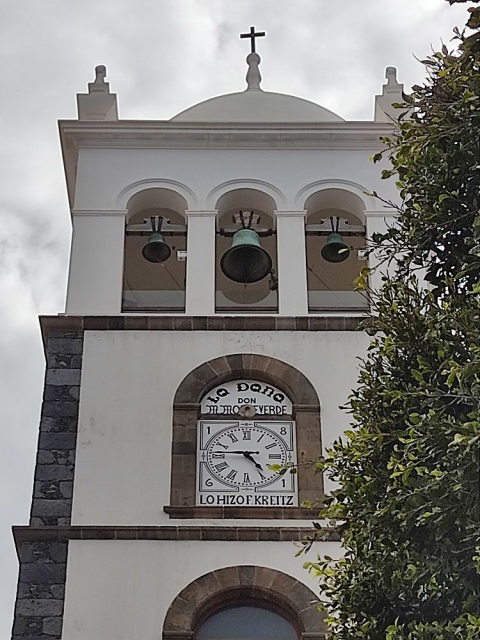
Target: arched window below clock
236, 420
246, 621
244, 603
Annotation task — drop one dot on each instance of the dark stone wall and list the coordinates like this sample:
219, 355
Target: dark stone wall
41, 591
42, 574
53, 484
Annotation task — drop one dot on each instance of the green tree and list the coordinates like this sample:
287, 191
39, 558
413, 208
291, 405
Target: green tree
408, 471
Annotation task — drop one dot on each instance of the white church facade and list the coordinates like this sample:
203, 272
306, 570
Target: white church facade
209, 339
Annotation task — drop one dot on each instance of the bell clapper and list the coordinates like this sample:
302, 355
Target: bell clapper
273, 282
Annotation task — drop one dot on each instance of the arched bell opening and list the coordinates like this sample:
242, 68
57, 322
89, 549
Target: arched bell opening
155, 260
335, 241
246, 260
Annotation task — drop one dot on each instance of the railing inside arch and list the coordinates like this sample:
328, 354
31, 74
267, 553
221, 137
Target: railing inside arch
325, 301
171, 301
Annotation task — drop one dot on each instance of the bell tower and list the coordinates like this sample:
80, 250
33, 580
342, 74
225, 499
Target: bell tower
208, 340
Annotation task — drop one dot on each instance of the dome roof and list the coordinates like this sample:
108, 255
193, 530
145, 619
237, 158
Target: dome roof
257, 106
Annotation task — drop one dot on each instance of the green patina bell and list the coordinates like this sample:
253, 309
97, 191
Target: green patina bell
335, 250
156, 249
246, 261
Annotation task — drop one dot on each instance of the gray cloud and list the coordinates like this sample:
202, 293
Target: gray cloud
162, 56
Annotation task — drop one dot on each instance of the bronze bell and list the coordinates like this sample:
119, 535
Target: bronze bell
246, 261
156, 249
335, 250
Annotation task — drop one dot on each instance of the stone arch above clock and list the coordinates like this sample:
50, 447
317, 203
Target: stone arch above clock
186, 410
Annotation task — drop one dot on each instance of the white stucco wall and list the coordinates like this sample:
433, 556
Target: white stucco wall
129, 379
104, 173
95, 282
121, 590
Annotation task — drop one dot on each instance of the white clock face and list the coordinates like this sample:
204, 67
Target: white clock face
234, 461
240, 456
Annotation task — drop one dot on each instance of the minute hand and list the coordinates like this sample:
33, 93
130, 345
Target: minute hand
240, 452
248, 456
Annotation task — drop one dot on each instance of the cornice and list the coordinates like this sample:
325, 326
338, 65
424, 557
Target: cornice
277, 532
169, 135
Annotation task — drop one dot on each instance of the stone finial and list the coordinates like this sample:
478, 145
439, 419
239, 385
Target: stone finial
253, 74
98, 103
391, 92
391, 75
99, 83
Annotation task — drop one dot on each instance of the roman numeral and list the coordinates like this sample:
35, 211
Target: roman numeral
232, 474
275, 456
219, 444
221, 455
247, 435
262, 436
220, 467
232, 437
270, 446
246, 478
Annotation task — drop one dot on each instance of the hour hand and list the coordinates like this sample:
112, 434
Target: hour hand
249, 457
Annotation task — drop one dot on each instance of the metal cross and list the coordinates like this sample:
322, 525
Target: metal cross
252, 35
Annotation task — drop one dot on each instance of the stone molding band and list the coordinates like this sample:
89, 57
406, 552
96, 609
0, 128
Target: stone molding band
24, 534
199, 323
241, 513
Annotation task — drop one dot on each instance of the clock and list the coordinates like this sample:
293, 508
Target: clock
234, 463
241, 456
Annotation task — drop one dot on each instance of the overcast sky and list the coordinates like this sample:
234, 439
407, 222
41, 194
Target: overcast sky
161, 56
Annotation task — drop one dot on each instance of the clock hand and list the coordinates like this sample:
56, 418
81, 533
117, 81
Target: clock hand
239, 452
248, 456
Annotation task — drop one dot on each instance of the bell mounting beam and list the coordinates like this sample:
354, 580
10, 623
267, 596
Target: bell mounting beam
263, 232
246, 220
323, 229
157, 224
338, 225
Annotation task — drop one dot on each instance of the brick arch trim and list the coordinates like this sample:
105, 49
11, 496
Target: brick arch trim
186, 408
221, 587
247, 365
